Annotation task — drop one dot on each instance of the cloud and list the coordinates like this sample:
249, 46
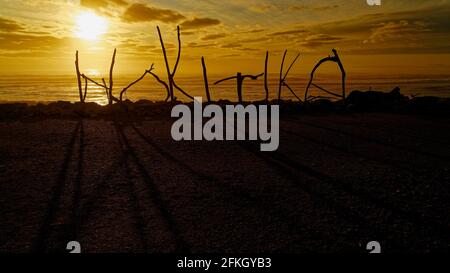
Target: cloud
404, 30
232, 45
288, 32
9, 25
143, 13
97, 4
200, 23
312, 8
214, 36
196, 45
318, 40
264, 8
14, 41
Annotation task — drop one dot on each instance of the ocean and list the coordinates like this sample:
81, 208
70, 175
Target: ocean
33, 89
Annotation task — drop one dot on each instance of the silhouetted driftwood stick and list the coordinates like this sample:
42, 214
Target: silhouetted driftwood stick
292, 91
111, 83
280, 84
266, 86
169, 74
85, 88
239, 80
163, 83
341, 67
93, 81
335, 59
326, 91
182, 91
77, 67
179, 52
290, 67
135, 82
106, 88
205, 79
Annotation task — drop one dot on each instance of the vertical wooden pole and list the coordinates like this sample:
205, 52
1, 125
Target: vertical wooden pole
169, 74
266, 87
77, 66
205, 78
239, 80
111, 83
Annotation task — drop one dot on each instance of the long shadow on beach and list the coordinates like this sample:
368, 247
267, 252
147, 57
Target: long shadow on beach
153, 193
46, 230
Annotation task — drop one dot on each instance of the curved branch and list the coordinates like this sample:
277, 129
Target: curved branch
226, 79
179, 52
136, 81
327, 59
161, 82
253, 77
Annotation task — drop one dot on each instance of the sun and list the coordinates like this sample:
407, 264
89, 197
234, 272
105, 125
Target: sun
90, 26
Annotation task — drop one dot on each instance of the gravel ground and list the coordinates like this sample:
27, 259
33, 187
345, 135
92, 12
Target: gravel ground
336, 183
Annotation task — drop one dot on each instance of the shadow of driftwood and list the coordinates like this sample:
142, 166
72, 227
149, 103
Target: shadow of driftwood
239, 194
140, 221
45, 229
376, 141
287, 167
153, 193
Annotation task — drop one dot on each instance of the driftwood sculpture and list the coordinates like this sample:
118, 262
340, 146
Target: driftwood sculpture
171, 85
239, 80
334, 59
109, 93
171, 74
282, 79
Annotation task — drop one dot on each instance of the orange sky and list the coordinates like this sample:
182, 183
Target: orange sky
402, 36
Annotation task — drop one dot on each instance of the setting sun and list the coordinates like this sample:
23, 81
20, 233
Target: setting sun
90, 26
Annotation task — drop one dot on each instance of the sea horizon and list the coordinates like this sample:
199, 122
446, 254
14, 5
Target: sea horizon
49, 88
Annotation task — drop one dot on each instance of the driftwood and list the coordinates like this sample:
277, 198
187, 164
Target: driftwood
205, 79
163, 83
77, 67
111, 83
282, 79
171, 74
334, 59
135, 82
85, 90
266, 75
239, 80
